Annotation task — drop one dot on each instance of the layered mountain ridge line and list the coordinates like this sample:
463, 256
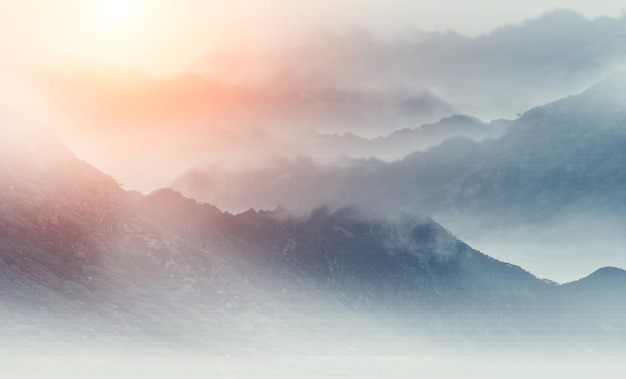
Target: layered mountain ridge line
552, 172
80, 253
351, 81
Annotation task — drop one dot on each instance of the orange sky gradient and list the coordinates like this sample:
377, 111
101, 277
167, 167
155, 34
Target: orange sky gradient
111, 57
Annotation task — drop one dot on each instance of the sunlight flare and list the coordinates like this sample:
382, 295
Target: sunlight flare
117, 13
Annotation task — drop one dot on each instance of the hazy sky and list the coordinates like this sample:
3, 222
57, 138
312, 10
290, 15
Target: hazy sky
165, 36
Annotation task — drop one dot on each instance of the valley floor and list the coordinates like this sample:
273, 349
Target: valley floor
55, 365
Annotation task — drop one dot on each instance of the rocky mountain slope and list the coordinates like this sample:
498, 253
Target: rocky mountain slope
83, 259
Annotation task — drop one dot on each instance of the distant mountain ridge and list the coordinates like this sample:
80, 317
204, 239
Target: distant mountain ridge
116, 265
554, 139
144, 101
541, 59
336, 82
555, 169
401, 143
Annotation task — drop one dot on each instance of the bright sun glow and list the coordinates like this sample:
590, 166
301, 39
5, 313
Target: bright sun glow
117, 13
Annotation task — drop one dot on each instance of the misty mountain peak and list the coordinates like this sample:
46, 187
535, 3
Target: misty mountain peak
613, 87
32, 140
553, 23
609, 272
561, 16
33, 152
606, 98
168, 195
607, 282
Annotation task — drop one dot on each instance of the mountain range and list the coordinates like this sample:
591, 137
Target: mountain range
329, 196
557, 167
322, 96
83, 260
493, 75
